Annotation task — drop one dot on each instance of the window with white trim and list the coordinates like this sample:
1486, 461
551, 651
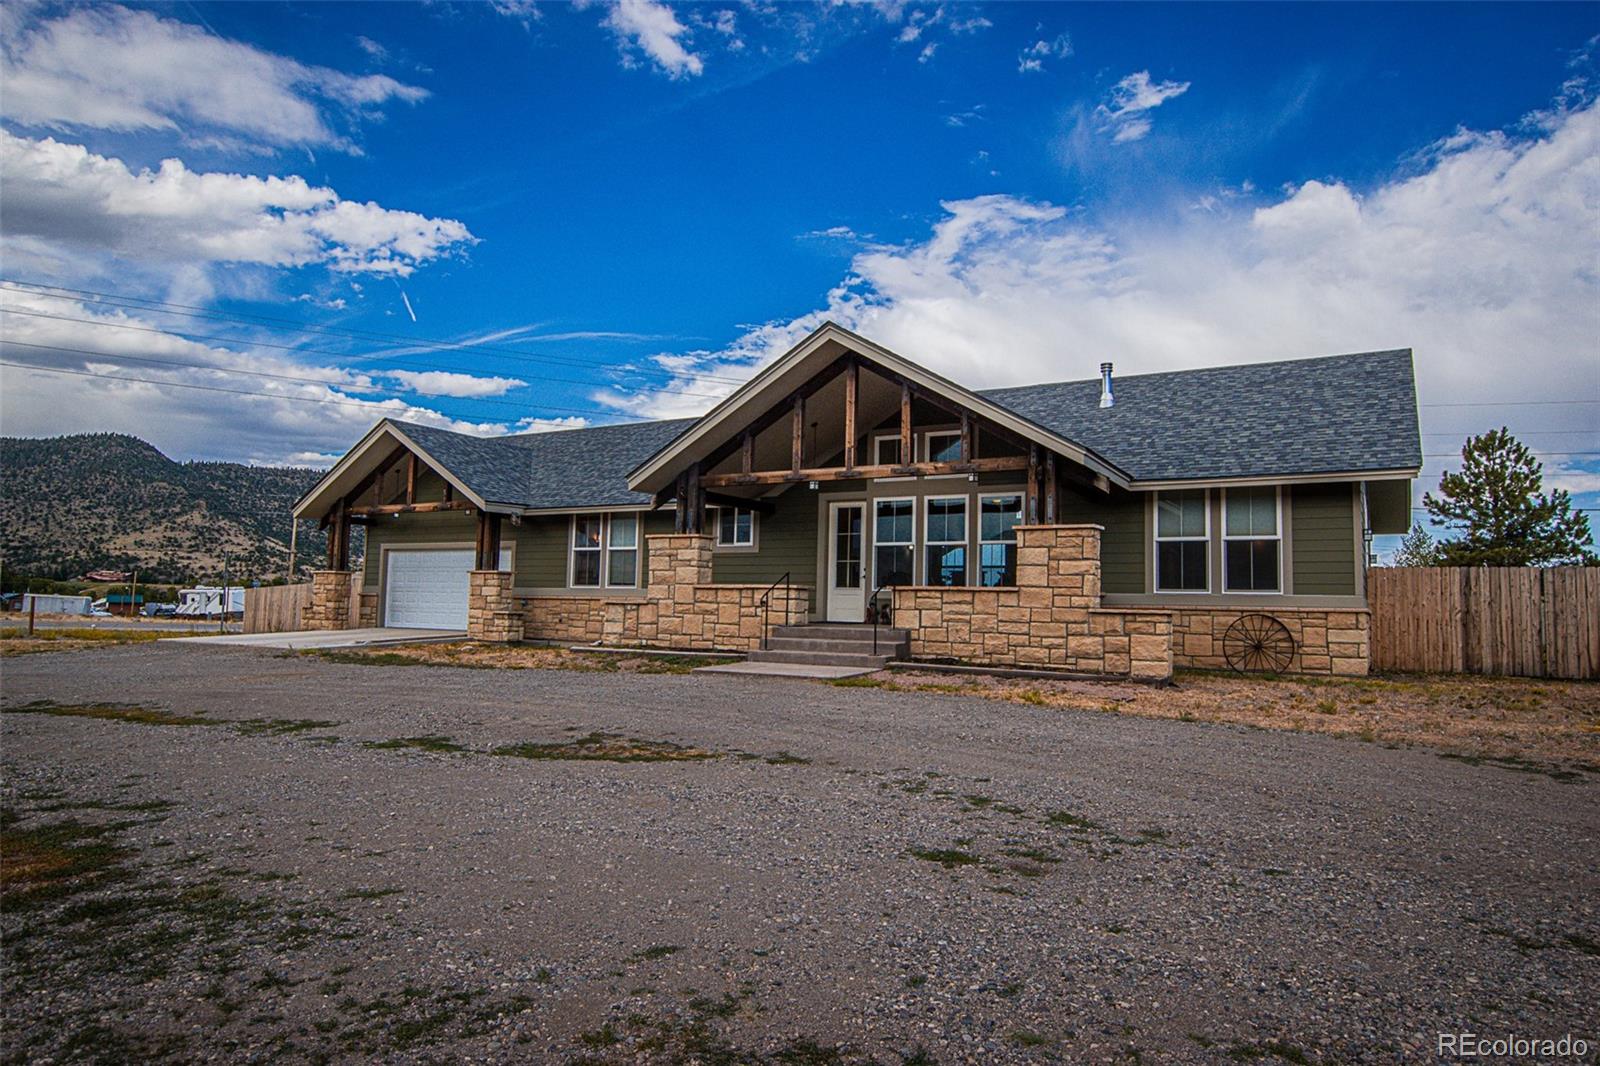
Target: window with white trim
588, 530
735, 526
894, 533
945, 540
1183, 541
622, 551
886, 450
998, 518
1252, 540
943, 446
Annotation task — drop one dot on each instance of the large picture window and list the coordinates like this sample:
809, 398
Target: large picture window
622, 551
946, 540
587, 534
894, 534
998, 518
735, 527
1183, 541
1252, 538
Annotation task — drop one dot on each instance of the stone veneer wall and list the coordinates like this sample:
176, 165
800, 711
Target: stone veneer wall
491, 613
330, 600
578, 619
1327, 641
1051, 619
368, 613
683, 608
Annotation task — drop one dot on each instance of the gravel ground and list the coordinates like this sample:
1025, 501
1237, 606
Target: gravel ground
854, 873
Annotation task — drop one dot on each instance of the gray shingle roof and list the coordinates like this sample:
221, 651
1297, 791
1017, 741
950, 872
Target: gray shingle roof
1305, 416
567, 468
1339, 414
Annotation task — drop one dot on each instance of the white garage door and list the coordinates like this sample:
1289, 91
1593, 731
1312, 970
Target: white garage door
427, 589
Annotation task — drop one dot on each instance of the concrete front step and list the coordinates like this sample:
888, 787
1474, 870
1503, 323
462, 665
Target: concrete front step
892, 648
865, 661
842, 631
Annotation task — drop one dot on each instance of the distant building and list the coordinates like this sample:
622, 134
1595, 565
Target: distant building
205, 601
42, 603
124, 604
107, 575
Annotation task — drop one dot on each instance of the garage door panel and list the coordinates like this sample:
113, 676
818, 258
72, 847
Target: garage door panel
427, 589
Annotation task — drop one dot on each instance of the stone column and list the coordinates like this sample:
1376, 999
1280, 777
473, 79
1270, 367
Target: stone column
491, 613
679, 563
330, 600
1065, 559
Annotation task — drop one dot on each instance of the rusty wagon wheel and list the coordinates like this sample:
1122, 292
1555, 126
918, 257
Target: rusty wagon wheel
1258, 644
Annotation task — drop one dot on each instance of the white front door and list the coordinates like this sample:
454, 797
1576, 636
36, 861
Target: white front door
847, 595
427, 589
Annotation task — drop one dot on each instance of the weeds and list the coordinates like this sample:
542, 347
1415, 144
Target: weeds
606, 747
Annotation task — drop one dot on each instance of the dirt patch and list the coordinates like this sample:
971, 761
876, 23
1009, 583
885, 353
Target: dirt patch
475, 656
1535, 725
16, 641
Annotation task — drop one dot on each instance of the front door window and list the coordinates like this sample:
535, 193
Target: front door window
847, 548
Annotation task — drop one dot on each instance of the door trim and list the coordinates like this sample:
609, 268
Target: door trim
830, 550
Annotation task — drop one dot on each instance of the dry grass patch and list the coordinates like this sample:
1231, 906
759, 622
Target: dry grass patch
607, 747
476, 656
1539, 725
16, 640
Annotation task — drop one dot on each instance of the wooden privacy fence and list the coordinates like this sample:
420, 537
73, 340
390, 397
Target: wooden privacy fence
276, 608
1524, 621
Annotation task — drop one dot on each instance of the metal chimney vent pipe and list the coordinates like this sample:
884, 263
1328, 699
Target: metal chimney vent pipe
1106, 398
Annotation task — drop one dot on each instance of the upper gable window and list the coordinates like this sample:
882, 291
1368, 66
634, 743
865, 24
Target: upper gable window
942, 447
886, 450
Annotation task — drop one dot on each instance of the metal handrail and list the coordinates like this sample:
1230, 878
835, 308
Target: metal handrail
872, 609
765, 604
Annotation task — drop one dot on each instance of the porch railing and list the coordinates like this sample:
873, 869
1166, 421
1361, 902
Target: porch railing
765, 605
872, 609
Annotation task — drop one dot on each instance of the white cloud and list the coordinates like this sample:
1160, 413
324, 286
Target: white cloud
112, 68
1031, 59
1480, 255
927, 51
652, 28
294, 411
445, 383
1126, 112
525, 11
64, 197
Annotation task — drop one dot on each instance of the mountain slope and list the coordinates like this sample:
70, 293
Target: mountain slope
106, 500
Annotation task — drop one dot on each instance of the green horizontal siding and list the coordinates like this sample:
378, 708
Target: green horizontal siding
786, 539
1322, 528
1122, 545
540, 560
446, 527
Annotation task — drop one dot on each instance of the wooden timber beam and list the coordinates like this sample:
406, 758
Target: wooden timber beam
722, 499
776, 412
966, 437
695, 521
1033, 484
839, 473
1050, 488
488, 549
907, 443
852, 389
411, 508
797, 435
747, 457
411, 477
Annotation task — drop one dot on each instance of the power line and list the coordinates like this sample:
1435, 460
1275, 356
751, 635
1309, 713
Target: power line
54, 292
201, 337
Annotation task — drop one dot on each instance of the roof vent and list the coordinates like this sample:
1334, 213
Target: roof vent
1106, 399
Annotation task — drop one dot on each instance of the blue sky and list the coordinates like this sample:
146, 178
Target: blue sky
638, 203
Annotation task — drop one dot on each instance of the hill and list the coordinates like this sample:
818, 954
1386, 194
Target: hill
111, 501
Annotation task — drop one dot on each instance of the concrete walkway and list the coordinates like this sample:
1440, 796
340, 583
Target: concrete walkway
329, 638
803, 670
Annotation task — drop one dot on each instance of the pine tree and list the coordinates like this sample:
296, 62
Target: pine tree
1417, 548
1497, 505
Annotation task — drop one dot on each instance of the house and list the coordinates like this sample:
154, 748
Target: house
125, 604
1112, 526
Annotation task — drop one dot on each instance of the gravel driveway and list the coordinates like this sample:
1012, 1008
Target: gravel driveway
789, 871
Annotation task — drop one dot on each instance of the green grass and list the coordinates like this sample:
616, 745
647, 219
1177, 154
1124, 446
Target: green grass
1073, 821
657, 951
108, 712
606, 747
98, 636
